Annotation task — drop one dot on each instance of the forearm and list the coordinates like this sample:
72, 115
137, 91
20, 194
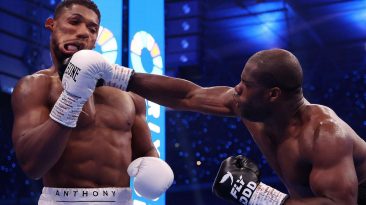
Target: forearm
181, 94
39, 148
152, 153
167, 91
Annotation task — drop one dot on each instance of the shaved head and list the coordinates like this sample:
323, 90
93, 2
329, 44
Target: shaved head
277, 68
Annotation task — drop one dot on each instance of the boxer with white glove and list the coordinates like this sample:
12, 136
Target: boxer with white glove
79, 80
120, 74
238, 181
153, 176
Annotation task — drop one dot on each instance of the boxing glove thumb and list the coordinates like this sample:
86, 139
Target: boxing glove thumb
152, 176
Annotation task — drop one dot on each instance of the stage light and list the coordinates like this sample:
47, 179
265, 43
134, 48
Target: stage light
185, 25
186, 9
184, 43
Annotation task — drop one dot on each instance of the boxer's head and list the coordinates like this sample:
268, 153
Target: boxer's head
74, 27
269, 78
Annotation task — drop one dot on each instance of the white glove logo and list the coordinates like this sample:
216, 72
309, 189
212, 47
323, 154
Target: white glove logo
72, 71
225, 177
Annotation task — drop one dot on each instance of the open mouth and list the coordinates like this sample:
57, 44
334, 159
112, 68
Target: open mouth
71, 48
235, 97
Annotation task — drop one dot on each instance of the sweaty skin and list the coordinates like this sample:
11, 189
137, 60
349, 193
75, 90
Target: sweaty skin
318, 157
111, 130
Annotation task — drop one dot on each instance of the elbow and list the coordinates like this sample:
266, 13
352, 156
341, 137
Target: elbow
33, 168
347, 197
33, 176
32, 172
350, 198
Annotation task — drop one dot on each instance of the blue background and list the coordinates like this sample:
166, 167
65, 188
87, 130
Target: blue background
148, 16
207, 42
112, 18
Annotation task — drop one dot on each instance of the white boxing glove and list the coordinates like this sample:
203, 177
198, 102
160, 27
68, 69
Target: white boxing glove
85, 68
152, 175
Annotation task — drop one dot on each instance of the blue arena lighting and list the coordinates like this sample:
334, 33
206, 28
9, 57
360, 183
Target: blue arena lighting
109, 41
186, 8
147, 54
183, 58
184, 43
185, 25
52, 2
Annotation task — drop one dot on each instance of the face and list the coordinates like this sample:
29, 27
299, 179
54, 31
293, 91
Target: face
250, 97
75, 29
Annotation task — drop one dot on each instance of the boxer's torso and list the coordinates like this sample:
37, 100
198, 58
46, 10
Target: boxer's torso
291, 157
99, 148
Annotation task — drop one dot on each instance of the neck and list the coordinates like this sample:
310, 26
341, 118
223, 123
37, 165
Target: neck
288, 114
58, 64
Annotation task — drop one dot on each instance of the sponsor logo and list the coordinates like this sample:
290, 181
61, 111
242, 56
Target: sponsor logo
72, 71
227, 176
242, 191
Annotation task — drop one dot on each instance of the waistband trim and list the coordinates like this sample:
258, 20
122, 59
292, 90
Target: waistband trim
107, 194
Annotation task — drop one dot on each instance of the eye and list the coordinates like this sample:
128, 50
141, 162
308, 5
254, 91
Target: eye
74, 21
92, 29
245, 84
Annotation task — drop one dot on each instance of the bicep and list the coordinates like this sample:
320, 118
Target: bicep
333, 173
29, 109
337, 182
141, 135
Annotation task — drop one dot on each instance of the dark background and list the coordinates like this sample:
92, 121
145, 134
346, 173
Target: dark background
207, 42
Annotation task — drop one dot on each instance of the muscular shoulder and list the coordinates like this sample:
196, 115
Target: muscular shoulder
40, 78
323, 130
330, 139
319, 117
322, 119
33, 87
328, 128
320, 112
139, 102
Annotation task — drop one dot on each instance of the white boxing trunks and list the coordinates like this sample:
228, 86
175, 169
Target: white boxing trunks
92, 196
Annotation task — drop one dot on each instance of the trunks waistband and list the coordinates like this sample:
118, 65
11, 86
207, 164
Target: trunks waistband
107, 194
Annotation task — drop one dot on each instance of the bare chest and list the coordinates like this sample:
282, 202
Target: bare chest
288, 160
291, 164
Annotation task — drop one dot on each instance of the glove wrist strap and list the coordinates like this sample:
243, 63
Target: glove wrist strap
121, 77
67, 109
265, 194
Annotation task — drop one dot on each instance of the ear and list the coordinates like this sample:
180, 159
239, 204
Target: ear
274, 94
49, 24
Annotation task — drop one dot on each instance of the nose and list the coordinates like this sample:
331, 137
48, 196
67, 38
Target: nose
238, 89
83, 32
